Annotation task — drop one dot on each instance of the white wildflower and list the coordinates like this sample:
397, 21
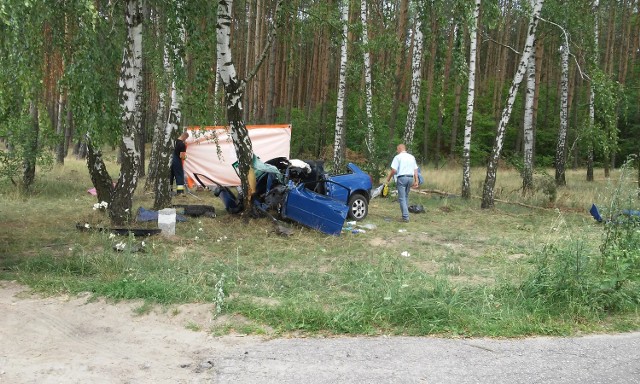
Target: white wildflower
196, 238
143, 244
120, 246
86, 225
112, 235
405, 254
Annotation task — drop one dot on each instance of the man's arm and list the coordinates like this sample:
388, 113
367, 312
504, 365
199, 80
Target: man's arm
393, 172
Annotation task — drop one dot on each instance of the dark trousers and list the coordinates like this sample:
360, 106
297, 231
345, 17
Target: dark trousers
177, 173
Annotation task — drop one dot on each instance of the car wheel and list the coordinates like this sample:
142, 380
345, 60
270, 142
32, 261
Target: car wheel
358, 207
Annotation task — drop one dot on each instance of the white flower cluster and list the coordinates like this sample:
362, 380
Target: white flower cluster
101, 205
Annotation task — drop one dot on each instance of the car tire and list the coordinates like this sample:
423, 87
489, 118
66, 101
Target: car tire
358, 207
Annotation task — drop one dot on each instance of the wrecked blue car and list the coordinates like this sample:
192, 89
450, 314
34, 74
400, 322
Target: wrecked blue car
301, 191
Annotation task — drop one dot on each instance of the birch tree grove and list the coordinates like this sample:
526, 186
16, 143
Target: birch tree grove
61, 62
416, 78
492, 167
339, 141
466, 150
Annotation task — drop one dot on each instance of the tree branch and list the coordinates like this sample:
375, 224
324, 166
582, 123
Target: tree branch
566, 39
487, 38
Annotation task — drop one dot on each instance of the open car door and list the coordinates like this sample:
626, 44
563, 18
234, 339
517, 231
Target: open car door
314, 210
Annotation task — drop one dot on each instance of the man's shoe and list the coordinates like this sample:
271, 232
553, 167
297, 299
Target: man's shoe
403, 220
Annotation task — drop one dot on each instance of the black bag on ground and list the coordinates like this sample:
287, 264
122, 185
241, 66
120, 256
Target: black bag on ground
416, 208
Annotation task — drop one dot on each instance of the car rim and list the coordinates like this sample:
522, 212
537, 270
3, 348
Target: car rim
358, 208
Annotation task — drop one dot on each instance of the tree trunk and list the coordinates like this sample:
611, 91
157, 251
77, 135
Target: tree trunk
370, 137
527, 171
339, 141
416, 80
592, 96
130, 96
561, 147
162, 184
492, 167
98, 172
31, 148
466, 149
234, 91
60, 129
430, 76
401, 33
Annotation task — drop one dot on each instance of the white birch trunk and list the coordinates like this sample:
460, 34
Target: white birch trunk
158, 130
592, 95
130, 96
561, 146
527, 171
234, 89
466, 148
416, 78
370, 137
492, 168
339, 142
174, 118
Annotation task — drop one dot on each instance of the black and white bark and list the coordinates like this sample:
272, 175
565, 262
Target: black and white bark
466, 148
528, 129
234, 89
488, 190
130, 95
416, 80
561, 145
592, 94
339, 140
370, 137
172, 126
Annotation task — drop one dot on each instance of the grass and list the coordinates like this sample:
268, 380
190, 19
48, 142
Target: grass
469, 272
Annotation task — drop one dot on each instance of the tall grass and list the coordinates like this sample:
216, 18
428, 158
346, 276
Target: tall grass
456, 270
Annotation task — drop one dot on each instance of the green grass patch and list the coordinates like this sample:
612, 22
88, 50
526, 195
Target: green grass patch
527, 267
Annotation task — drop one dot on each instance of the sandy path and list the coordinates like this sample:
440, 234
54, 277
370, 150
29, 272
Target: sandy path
70, 340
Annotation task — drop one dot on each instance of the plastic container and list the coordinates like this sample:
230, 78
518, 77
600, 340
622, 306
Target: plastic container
167, 221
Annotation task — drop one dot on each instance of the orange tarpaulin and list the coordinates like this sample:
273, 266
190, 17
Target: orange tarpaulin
268, 141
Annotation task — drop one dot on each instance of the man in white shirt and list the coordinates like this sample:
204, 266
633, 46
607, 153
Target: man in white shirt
405, 167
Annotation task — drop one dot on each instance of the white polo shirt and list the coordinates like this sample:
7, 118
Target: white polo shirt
404, 164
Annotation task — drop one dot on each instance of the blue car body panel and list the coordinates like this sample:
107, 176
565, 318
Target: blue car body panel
348, 183
314, 210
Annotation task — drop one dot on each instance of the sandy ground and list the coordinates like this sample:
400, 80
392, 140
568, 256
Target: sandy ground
73, 340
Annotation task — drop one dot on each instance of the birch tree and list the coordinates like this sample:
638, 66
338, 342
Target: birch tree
592, 95
339, 140
370, 137
466, 149
527, 169
130, 95
416, 80
561, 146
162, 187
492, 167
234, 91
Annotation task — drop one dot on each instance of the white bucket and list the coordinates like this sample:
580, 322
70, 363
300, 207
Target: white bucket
167, 221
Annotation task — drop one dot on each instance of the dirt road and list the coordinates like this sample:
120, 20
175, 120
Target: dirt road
71, 340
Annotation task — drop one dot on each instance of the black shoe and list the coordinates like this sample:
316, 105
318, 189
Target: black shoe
216, 191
